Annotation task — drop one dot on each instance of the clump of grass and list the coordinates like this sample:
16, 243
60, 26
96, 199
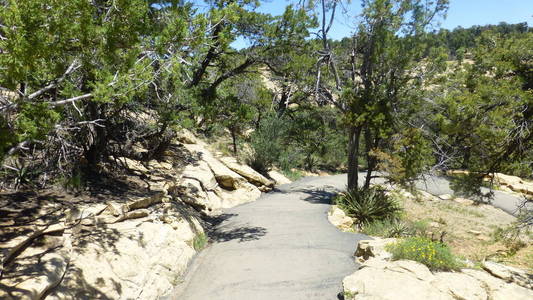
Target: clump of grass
292, 174
435, 255
387, 229
200, 241
396, 228
461, 210
369, 205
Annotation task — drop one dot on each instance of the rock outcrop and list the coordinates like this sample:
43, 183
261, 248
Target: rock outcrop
278, 177
381, 278
133, 247
211, 184
509, 182
339, 219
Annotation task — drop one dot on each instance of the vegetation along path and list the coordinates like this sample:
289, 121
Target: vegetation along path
282, 246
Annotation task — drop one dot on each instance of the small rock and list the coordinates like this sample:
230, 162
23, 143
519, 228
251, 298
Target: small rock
278, 177
434, 224
373, 248
445, 197
338, 218
463, 201
475, 232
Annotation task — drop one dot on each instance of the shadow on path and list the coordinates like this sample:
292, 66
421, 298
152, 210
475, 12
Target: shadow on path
242, 234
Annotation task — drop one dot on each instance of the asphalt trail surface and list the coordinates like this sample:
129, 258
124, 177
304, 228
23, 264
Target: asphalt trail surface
283, 247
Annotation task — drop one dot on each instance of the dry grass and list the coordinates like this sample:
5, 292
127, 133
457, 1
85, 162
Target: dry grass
470, 229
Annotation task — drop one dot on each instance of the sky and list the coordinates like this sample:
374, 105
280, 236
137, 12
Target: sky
463, 13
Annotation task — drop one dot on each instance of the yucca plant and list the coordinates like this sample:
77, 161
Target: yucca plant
369, 205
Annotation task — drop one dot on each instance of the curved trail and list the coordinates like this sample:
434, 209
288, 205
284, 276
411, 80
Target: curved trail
283, 247
279, 247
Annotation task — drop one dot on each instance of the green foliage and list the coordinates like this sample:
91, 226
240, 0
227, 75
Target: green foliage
200, 241
369, 205
386, 229
396, 228
75, 182
410, 155
482, 116
267, 143
435, 255
292, 174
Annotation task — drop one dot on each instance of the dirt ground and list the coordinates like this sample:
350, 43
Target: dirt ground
471, 230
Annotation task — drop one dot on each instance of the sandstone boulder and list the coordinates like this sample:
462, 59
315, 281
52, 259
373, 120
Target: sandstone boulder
201, 173
245, 171
445, 197
391, 282
141, 258
381, 278
459, 286
246, 192
338, 218
509, 274
186, 137
225, 177
463, 201
367, 249
278, 177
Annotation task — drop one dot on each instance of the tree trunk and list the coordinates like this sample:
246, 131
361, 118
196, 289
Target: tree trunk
353, 156
234, 141
371, 161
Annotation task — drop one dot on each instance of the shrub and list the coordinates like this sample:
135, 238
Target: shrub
369, 205
267, 144
435, 255
387, 229
199, 241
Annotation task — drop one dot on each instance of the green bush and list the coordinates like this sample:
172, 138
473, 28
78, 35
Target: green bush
435, 255
387, 229
267, 144
369, 205
199, 241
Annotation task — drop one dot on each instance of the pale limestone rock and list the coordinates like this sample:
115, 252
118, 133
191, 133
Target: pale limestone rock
246, 192
373, 248
278, 177
376, 283
498, 270
463, 201
144, 202
459, 286
135, 214
515, 183
509, 274
134, 165
427, 196
417, 269
499, 289
186, 137
225, 177
200, 172
193, 193
338, 218
245, 171
445, 197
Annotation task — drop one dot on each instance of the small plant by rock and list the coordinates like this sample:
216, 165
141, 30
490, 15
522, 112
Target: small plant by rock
435, 255
369, 205
199, 241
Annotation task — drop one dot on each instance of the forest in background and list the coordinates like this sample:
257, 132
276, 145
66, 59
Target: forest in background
401, 96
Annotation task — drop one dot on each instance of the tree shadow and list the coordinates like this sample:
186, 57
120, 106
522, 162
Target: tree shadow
319, 196
323, 195
219, 233
241, 234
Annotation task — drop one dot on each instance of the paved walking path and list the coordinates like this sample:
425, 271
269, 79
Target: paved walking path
279, 247
283, 247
